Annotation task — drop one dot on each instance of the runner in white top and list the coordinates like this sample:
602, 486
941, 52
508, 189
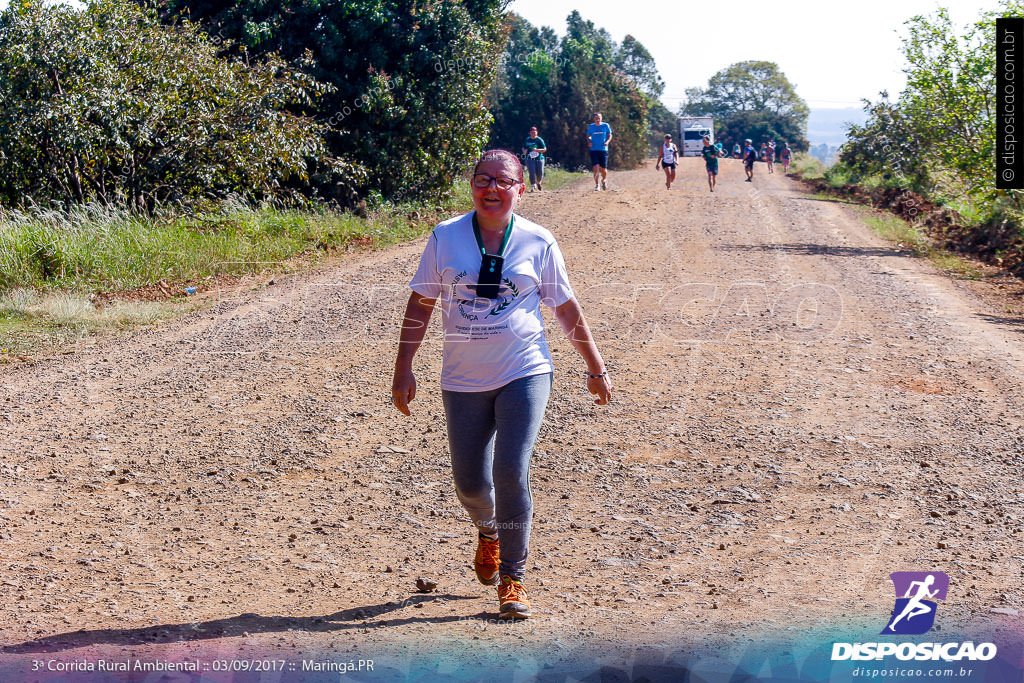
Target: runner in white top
667, 160
490, 342
490, 270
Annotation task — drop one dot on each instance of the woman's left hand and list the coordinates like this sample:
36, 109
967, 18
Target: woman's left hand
600, 387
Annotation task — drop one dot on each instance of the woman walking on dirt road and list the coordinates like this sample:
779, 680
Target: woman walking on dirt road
491, 269
784, 156
667, 160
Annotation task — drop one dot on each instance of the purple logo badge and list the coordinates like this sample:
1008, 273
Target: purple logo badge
916, 593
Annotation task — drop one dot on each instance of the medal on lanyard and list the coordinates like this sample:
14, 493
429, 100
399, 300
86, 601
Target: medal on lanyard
489, 280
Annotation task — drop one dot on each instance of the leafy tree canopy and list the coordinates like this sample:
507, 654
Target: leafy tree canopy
102, 103
751, 99
558, 85
887, 145
633, 60
408, 78
939, 136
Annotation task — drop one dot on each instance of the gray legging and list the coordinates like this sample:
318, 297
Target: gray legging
491, 436
536, 169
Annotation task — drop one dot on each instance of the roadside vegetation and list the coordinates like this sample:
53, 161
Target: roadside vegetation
53, 262
806, 166
929, 153
31, 320
253, 138
92, 248
910, 236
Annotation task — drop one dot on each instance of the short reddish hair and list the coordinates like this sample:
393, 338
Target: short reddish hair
503, 155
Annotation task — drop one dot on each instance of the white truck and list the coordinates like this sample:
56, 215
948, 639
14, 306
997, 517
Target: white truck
692, 130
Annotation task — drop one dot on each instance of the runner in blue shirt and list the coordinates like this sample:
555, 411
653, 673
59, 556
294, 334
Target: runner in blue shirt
599, 135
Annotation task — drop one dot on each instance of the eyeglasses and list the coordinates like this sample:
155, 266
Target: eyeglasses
482, 180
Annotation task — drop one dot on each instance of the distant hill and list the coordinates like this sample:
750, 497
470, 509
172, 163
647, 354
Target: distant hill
826, 126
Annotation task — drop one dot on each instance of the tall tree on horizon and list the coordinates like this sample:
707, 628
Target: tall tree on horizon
751, 99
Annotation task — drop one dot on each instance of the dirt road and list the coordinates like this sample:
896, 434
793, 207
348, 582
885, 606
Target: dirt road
801, 408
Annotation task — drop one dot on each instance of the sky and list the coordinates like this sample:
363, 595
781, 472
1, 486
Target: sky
834, 53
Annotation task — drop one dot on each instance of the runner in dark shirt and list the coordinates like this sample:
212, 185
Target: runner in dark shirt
749, 157
710, 154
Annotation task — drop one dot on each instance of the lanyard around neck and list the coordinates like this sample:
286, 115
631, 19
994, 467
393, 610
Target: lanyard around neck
480, 239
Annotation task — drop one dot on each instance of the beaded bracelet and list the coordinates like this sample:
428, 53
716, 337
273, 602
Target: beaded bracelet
596, 376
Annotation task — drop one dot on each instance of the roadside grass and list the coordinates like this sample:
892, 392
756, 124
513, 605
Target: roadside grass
838, 175
822, 197
908, 236
93, 248
32, 319
51, 260
556, 177
973, 212
807, 166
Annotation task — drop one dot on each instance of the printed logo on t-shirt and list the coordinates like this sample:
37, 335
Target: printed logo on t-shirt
470, 309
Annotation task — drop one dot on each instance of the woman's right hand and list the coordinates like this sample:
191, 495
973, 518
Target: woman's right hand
403, 389
601, 387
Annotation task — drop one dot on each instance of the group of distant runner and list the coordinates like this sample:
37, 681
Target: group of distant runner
496, 370
712, 153
599, 137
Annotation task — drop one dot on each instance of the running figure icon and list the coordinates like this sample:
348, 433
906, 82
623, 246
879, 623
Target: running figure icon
917, 594
915, 607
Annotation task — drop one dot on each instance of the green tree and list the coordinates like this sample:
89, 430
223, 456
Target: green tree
939, 136
950, 95
102, 103
409, 78
524, 93
559, 88
887, 145
633, 60
596, 42
760, 127
751, 99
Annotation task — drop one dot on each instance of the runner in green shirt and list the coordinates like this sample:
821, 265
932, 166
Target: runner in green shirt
710, 154
534, 149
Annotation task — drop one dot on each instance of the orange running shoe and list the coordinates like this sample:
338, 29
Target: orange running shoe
486, 561
512, 599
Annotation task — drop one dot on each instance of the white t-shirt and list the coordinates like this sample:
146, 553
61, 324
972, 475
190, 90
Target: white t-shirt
668, 153
490, 342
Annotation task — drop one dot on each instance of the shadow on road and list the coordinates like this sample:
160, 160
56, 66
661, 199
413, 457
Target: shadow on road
1016, 324
820, 249
244, 624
